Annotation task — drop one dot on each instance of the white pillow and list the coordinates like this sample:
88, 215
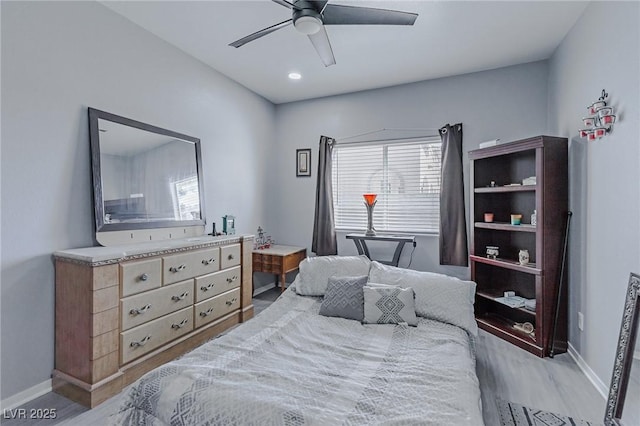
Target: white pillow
440, 297
385, 304
314, 272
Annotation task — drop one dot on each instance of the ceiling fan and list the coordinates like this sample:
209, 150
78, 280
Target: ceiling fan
310, 17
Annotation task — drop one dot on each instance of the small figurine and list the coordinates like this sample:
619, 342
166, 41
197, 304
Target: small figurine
262, 242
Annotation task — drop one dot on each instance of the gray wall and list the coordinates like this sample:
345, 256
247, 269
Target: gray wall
508, 103
604, 175
58, 58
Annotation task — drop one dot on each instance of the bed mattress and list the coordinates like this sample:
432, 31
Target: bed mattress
291, 366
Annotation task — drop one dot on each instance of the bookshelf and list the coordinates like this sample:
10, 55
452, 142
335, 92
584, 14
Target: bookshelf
495, 174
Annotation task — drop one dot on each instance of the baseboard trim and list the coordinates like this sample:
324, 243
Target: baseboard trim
264, 288
26, 395
602, 389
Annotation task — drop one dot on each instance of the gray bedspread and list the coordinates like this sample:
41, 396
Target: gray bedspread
291, 366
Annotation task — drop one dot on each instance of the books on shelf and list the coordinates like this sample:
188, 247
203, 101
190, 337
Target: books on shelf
530, 305
517, 302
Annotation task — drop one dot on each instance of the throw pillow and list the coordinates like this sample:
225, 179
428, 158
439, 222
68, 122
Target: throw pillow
344, 298
389, 305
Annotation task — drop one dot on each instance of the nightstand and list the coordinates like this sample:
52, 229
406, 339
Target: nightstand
278, 260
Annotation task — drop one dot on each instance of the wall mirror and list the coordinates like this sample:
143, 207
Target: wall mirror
144, 176
623, 404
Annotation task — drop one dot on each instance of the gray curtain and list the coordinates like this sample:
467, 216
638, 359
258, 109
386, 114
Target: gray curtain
453, 226
324, 233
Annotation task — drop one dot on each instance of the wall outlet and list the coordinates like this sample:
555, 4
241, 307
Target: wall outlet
580, 321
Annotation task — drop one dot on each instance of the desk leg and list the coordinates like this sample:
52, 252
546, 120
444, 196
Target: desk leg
362, 248
396, 255
283, 282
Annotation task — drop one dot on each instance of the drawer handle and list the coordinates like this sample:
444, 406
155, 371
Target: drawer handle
143, 277
180, 325
208, 287
230, 257
141, 342
232, 279
208, 261
178, 269
232, 301
181, 297
140, 311
206, 313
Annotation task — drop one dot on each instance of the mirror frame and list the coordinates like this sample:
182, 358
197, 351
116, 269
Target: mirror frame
624, 353
96, 170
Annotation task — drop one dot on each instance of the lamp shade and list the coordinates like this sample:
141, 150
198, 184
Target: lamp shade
370, 198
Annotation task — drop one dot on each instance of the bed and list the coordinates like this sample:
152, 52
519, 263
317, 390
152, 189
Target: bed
292, 366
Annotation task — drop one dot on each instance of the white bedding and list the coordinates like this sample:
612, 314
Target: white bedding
291, 366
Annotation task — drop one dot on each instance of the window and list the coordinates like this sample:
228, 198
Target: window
406, 177
187, 199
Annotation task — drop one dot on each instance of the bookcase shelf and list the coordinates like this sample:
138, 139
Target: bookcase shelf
530, 268
545, 158
500, 226
499, 189
491, 295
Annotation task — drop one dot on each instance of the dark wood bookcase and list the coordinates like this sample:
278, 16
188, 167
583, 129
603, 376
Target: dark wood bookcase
505, 164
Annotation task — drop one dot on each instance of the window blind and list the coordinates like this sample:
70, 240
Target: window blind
406, 177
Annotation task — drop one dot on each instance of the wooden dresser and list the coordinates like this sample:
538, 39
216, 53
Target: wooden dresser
122, 311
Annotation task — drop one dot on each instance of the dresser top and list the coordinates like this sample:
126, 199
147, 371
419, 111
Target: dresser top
96, 256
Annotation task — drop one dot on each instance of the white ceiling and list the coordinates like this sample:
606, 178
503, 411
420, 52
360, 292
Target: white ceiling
448, 38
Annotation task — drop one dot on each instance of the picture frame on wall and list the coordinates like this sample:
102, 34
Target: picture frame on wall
303, 162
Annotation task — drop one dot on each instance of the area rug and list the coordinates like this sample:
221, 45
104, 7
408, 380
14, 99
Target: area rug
512, 414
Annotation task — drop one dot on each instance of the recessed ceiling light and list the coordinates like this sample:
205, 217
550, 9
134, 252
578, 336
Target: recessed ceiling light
295, 76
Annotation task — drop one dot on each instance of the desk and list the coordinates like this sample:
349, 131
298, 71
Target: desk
360, 240
278, 260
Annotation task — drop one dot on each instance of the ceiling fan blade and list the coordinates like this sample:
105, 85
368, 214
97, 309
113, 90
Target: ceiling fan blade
261, 33
284, 3
318, 5
320, 41
335, 14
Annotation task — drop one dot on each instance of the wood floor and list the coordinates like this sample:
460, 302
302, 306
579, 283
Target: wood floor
505, 372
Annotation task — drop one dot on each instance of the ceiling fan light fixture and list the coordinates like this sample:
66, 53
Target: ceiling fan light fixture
308, 25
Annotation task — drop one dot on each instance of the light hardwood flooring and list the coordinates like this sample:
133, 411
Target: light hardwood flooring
505, 372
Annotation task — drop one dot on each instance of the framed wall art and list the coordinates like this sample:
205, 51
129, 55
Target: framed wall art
303, 162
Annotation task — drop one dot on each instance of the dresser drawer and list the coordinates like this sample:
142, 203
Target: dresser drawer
216, 283
217, 306
182, 266
138, 309
229, 256
141, 275
145, 338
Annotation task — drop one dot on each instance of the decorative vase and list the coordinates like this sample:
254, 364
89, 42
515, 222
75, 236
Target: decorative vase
370, 202
523, 257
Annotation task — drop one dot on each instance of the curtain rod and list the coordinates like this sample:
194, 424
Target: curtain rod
411, 139
383, 129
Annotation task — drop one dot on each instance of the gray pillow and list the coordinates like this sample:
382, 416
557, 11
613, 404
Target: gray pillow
344, 298
389, 305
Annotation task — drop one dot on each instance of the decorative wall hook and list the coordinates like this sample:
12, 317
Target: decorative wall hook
600, 120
